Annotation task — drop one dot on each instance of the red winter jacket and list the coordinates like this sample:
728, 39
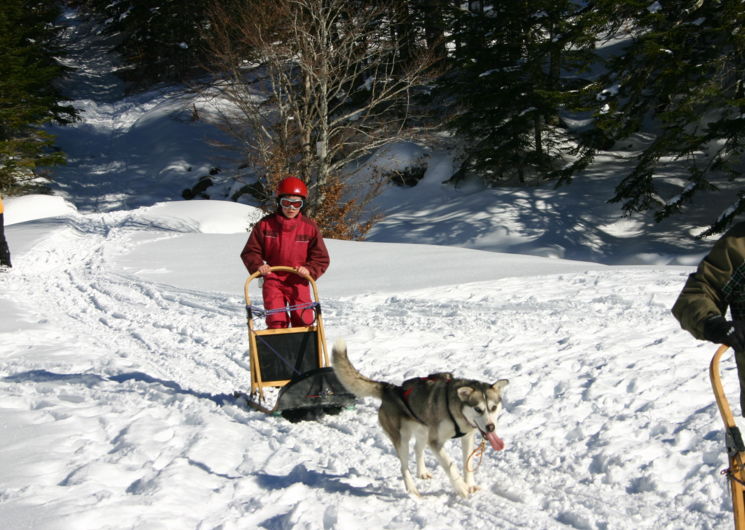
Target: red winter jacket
280, 241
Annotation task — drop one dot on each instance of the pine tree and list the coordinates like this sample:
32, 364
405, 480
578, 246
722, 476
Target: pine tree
513, 76
158, 41
28, 98
681, 79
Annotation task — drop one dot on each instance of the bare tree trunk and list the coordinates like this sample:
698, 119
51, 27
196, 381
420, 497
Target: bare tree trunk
403, 31
434, 27
537, 134
322, 148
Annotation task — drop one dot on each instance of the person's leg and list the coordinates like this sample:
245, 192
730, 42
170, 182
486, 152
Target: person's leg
4, 250
301, 296
274, 298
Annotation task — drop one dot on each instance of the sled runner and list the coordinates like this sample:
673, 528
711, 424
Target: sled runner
733, 441
295, 360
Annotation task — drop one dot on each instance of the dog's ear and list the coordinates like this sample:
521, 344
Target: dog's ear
499, 385
464, 392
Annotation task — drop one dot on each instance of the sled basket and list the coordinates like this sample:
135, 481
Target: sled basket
733, 441
296, 361
314, 394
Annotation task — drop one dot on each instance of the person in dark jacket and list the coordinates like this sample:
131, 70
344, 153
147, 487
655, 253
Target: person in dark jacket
4, 250
287, 238
717, 285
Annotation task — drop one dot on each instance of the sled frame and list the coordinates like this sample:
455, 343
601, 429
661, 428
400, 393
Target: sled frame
733, 441
313, 333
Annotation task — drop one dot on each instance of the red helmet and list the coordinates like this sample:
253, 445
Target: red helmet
292, 186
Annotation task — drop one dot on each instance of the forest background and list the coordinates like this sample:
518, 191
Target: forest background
523, 93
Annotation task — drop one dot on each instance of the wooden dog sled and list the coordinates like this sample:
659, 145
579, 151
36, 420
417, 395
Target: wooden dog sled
295, 360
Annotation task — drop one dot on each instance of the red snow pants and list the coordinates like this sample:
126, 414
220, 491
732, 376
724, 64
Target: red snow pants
278, 294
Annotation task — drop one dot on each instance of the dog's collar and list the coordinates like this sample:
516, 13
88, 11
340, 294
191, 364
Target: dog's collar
405, 390
458, 432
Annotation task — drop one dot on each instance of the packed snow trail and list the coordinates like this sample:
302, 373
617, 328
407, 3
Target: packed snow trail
123, 384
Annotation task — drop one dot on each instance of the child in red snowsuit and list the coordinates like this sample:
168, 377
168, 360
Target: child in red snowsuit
287, 238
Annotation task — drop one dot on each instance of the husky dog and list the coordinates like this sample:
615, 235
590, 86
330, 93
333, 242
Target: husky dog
431, 409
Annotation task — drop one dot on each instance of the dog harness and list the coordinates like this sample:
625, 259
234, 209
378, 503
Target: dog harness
408, 387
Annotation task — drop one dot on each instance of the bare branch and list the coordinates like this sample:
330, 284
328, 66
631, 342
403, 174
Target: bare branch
321, 83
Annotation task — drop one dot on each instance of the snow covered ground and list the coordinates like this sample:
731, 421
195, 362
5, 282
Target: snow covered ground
122, 338
123, 334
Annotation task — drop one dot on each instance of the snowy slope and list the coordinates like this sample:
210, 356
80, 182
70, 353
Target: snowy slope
123, 334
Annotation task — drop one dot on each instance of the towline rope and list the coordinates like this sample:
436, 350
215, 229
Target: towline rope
479, 451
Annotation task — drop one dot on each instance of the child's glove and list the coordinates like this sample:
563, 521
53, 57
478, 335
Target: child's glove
721, 331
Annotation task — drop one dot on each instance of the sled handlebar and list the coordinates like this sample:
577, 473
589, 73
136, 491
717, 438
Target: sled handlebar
733, 442
280, 268
716, 383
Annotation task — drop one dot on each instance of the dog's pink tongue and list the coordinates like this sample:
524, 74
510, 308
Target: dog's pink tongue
496, 442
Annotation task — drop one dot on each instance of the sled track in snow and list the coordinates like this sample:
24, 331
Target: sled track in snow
158, 328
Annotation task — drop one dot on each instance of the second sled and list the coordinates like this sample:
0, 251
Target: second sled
733, 442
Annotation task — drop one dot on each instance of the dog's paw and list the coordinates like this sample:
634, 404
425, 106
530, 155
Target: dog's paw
464, 489
409, 484
414, 493
462, 492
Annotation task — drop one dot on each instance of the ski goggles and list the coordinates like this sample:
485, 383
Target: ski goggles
291, 203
